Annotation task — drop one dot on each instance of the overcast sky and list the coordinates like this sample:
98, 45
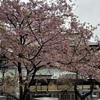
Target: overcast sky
88, 11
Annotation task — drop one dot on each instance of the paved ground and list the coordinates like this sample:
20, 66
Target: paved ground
46, 98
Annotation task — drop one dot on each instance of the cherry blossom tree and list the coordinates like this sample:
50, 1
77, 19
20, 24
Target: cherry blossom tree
82, 57
36, 34
29, 34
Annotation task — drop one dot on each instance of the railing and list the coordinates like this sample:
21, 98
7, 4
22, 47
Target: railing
62, 95
66, 95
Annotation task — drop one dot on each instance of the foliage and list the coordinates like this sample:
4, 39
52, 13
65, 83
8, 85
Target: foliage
34, 35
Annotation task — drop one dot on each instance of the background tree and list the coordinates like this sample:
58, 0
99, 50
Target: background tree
81, 56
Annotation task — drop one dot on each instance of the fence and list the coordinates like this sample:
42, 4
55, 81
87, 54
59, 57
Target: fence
66, 95
63, 95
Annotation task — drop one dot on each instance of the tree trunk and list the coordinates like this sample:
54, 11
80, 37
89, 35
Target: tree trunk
26, 95
82, 97
75, 86
20, 81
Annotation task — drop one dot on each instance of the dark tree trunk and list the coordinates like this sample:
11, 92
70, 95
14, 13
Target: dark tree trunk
82, 97
26, 93
20, 81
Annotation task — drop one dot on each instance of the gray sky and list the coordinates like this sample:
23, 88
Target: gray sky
89, 11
